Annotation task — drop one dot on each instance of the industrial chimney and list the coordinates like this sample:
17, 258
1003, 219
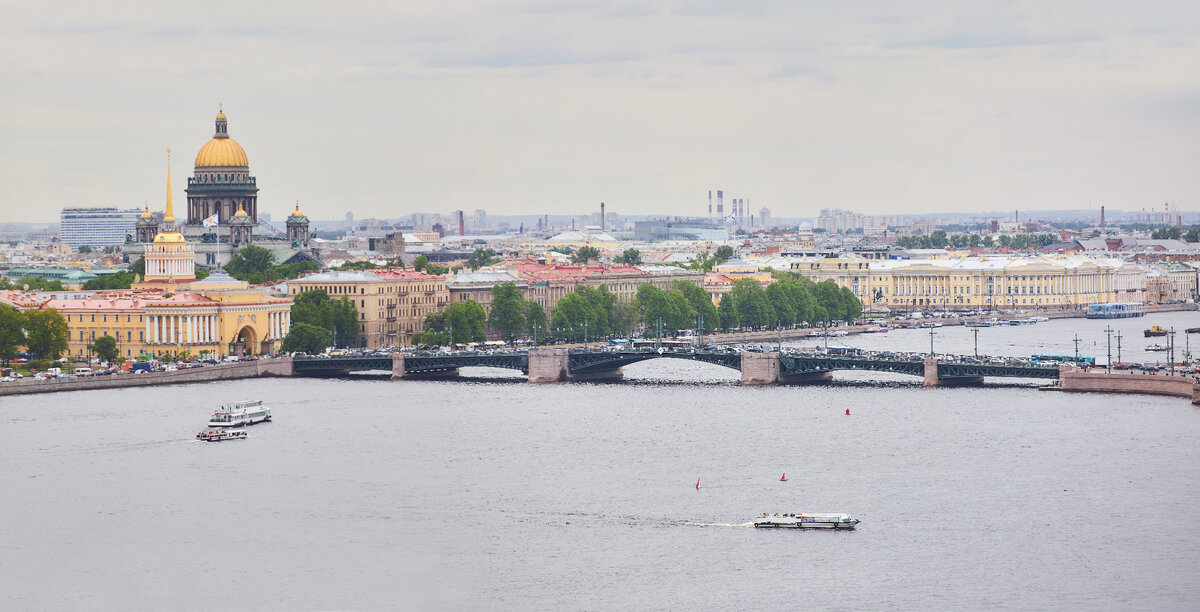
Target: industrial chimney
1101, 217
720, 204
602, 216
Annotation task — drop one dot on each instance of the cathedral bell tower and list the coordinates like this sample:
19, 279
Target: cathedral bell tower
297, 228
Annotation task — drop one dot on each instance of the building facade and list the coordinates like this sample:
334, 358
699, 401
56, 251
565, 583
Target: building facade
392, 304
97, 227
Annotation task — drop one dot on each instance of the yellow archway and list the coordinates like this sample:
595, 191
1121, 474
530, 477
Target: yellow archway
245, 341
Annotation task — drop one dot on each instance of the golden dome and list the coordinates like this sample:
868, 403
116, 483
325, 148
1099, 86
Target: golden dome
297, 213
172, 237
147, 214
222, 152
241, 212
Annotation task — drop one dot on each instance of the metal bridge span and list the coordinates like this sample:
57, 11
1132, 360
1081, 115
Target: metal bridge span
556, 364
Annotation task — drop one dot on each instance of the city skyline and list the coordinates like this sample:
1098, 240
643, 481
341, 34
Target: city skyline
552, 107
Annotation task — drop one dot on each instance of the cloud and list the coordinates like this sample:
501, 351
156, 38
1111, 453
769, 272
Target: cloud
801, 70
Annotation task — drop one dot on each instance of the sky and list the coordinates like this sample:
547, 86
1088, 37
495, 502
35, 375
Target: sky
553, 106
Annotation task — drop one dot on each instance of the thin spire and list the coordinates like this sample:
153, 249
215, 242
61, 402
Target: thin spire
169, 216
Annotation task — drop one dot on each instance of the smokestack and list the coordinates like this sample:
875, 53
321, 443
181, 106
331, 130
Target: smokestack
602, 216
710, 204
1101, 217
720, 204
462, 224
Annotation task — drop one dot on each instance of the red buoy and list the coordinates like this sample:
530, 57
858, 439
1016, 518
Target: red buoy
784, 477
697, 484
847, 412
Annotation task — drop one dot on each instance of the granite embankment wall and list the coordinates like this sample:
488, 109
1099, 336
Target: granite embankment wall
224, 371
1147, 384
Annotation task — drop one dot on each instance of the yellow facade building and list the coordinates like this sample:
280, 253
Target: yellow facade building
392, 303
970, 282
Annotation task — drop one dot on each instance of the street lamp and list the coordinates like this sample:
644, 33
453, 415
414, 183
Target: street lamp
931, 343
1108, 331
975, 328
1171, 352
1118, 346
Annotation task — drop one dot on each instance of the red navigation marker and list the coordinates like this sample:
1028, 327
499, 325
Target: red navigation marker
847, 412
697, 484
784, 477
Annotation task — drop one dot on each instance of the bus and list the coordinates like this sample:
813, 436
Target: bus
1079, 360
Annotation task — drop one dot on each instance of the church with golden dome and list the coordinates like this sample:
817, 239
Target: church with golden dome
222, 212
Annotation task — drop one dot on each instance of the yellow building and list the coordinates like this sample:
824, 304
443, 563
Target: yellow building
218, 315
392, 304
978, 282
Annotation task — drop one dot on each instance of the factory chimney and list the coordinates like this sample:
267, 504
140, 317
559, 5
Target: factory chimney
602, 216
1101, 216
720, 204
710, 205
462, 225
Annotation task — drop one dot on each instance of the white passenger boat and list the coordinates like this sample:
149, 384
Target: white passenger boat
239, 414
217, 435
803, 520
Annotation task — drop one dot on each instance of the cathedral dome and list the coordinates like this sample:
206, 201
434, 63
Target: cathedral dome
221, 150
168, 237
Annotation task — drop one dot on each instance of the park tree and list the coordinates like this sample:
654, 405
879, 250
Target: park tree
117, 280
699, 302
1192, 235
632, 257
480, 258
727, 312
670, 309
507, 315
724, 253
105, 347
458, 323
250, 264
12, 332
751, 303
535, 318
306, 338
38, 283
584, 254
84, 249
138, 267
46, 333
339, 317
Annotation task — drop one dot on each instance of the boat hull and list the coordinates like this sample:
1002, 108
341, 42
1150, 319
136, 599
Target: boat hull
804, 526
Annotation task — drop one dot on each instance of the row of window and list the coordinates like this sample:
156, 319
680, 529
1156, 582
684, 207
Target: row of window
91, 335
103, 318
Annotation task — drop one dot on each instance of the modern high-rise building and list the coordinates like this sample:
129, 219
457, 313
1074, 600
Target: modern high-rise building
97, 227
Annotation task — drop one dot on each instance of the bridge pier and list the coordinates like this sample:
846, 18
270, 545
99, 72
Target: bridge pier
399, 372
553, 365
932, 379
764, 369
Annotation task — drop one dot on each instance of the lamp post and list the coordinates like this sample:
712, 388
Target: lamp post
535, 328
1171, 352
931, 343
1108, 331
975, 329
779, 328
1118, 346
585, 339
1076, 348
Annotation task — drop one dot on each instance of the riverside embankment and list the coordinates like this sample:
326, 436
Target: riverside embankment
281, 366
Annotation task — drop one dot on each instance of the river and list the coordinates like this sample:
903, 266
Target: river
491, 493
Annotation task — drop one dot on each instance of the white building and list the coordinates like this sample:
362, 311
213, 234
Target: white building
97, 227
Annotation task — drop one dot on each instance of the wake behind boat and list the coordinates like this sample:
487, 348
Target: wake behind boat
239, 414
802, 520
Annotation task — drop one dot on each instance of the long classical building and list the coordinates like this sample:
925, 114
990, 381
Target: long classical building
1062, 282
392, 303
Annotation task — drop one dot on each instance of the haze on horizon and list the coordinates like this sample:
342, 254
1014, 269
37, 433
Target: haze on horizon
552, 106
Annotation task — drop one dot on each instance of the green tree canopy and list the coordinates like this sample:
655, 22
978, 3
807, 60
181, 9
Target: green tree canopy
105, 347
250, 264
632, 257
339, 317
480, 258
458, 323
584, 254
700, 303
12, 332
138, 267
38, 283
85, 249
116, 280
306, 338
535, 318
46, 333
507, 315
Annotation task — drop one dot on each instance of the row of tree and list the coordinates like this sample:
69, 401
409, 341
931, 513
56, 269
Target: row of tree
939, 240
256, 265
596, 312
319, 322
44, 333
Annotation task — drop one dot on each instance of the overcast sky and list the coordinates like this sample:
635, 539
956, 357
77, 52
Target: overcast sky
554, 106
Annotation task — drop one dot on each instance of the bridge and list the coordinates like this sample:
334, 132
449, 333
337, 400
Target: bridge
560, 364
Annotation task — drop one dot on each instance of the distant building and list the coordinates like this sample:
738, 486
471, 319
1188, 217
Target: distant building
97, 227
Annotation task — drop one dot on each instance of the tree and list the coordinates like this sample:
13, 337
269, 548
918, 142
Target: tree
1192, 235
339, 317
751, 303
116, 280
139, 267
727, 312
1166, 233
250, 264
458, 323
105, 347
632, 257
535, 318
938, 239
699, 301
670, 309
508, 310
584, 254
46, 333
12, 332
306, 338
38, 283
85, 249
480, 258
343, 316
724, 253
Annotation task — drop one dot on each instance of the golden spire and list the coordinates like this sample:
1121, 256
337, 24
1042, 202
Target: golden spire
169, 217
